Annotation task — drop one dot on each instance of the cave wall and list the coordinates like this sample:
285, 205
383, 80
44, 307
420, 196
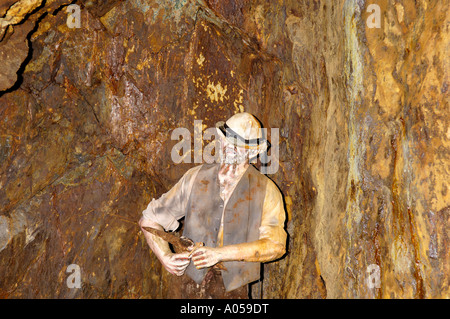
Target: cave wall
86, 116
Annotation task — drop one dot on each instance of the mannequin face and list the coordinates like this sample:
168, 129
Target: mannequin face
231, 154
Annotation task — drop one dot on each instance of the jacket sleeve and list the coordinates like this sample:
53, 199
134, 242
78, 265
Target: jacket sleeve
171, 206
273, 218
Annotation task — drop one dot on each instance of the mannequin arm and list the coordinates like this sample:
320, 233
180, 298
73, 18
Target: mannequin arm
262, 250
174, 263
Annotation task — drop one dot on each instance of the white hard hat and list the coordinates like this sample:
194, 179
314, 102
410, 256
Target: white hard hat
243, 130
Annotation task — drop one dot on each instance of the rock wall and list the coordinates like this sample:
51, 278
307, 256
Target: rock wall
86, 116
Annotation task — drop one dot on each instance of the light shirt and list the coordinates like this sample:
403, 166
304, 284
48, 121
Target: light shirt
172, 206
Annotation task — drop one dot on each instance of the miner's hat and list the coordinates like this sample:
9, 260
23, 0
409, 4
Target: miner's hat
244, 130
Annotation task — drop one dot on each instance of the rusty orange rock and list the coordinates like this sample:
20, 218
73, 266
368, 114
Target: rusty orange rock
86, 116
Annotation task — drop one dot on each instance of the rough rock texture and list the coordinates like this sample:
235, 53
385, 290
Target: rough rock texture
86, 117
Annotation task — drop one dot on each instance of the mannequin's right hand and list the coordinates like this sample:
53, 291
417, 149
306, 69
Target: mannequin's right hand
176, 264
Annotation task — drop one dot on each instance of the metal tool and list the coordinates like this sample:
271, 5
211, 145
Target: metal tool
180, 244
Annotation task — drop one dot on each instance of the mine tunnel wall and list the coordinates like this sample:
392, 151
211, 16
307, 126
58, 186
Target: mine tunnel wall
86, 116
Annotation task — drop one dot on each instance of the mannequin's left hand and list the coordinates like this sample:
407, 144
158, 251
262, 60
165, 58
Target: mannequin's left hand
206, 257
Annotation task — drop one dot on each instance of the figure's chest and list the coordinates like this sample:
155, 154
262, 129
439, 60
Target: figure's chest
227, 183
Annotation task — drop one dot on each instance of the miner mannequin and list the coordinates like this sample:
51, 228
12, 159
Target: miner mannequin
236, 212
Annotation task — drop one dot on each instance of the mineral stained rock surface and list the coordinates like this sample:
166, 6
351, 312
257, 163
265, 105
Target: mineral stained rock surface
86, 117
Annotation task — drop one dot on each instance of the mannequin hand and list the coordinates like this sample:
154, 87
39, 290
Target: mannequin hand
206, 257
176, 264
